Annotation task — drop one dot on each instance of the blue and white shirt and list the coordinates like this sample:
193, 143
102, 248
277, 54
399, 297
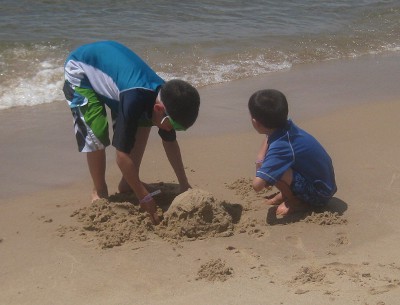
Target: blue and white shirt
292, 147
122, 80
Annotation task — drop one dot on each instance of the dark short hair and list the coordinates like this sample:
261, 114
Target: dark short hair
269, 107
181, 101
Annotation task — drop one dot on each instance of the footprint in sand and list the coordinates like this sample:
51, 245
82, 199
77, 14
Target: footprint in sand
297, 243
382, 289
249, 255
252, 259
341, 240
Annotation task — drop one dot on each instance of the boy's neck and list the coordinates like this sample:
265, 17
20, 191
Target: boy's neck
270, 131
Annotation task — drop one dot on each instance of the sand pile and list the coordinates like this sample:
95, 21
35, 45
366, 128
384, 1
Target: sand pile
195, 214
326, 218
215, 270
111, 224
308, 274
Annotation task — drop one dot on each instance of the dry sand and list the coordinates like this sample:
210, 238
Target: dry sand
218, 243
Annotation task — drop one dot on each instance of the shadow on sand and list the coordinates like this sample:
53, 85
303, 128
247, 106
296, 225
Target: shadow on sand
335, 205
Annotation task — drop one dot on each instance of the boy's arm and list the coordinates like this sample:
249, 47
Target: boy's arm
131, 175
261, 153
258, 183
173, 153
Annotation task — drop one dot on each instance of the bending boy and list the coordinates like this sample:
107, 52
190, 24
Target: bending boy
290, 159
108, 73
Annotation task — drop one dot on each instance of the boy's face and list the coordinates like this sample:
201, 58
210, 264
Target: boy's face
175, 125
160, 118
165, 121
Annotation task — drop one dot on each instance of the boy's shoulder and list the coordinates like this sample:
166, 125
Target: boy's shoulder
291, 134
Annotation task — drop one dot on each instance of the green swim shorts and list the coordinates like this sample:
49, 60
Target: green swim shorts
90, 118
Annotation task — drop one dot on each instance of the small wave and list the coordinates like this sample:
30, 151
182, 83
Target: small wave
42, 87
207, 72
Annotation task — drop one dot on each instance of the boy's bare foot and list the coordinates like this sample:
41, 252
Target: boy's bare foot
99, 194
275, 200
294, 206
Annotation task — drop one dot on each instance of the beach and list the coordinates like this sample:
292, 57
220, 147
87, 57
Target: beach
346, 254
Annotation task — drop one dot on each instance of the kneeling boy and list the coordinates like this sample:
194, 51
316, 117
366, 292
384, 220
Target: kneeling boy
290, 159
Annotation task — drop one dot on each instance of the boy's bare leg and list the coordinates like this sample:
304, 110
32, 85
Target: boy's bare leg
142, 135
277, 199
291, 203
97, 167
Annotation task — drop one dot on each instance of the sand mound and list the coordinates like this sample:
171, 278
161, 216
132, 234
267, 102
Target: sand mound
308, 275
195, 214
112, 224
326, 218
215, 270
192, 215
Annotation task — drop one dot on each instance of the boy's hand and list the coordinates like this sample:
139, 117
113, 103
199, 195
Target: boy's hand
151, 208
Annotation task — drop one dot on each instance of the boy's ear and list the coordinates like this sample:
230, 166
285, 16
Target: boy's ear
255, 122
158, 107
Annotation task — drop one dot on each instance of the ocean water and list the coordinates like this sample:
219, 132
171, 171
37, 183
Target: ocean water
204, 42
